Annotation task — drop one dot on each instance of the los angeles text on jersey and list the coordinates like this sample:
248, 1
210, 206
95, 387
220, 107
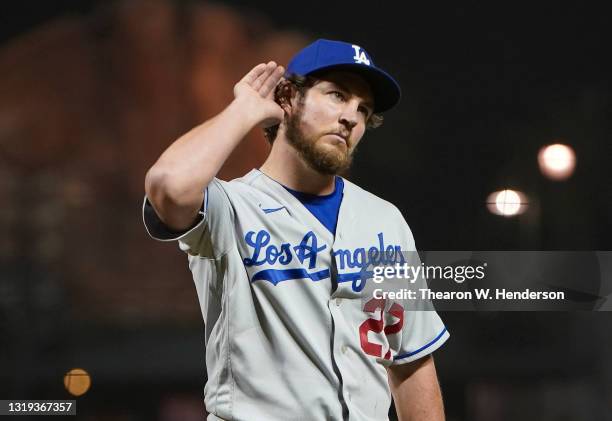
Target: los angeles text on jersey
478, 294
282, 261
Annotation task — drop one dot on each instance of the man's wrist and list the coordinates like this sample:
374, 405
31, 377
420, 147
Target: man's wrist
246, 112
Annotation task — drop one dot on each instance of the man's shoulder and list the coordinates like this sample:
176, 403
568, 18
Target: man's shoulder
371, 201
247, 179
240, 184
371, 206
252, 188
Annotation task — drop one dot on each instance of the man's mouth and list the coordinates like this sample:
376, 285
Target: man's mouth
341, 136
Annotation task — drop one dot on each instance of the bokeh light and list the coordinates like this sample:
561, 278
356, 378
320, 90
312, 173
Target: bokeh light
507, 202
557, 161
77, 381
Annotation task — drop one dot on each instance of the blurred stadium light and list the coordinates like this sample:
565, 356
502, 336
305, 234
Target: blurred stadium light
507, 202
557, 161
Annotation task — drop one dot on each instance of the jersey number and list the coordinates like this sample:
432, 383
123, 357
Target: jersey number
377, 305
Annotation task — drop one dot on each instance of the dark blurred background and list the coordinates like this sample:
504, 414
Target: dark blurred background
92, 91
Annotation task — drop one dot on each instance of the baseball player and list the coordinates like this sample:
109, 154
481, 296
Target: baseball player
277, 256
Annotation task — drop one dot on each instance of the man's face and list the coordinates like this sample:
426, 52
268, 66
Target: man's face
326, 125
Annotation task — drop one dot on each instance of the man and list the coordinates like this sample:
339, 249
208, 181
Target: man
278, 256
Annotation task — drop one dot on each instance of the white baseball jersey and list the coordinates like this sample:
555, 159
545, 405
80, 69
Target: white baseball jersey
290, 334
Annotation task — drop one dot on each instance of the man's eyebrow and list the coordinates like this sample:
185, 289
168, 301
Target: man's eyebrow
339, 85
342, 86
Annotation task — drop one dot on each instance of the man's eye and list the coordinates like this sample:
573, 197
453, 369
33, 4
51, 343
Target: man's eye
364, 111
338, 95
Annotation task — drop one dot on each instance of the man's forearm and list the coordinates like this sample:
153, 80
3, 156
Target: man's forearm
416, 391
175, 183
190, 163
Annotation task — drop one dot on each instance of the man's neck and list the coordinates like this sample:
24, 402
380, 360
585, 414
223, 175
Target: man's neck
286, 166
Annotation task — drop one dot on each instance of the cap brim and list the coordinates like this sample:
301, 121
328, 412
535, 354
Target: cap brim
385, 89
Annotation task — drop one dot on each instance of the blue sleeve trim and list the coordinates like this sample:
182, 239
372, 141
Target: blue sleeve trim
160, 231
409, 354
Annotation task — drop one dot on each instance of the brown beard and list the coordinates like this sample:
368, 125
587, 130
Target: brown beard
327, 161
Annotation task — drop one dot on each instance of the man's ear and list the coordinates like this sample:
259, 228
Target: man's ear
286, 95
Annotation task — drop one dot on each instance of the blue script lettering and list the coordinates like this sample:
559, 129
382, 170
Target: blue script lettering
308, 249
273, 253
382, 255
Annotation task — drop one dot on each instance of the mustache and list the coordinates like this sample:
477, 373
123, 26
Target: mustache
342, 133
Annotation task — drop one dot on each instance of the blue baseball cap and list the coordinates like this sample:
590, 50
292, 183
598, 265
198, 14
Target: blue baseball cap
324, 54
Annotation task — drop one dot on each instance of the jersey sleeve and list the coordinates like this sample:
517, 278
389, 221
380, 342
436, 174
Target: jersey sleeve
211, 234
423, 331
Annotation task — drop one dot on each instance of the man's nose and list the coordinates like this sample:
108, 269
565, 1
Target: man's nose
349, 117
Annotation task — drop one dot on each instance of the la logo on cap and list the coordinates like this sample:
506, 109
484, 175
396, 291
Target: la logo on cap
326, 55
360, 56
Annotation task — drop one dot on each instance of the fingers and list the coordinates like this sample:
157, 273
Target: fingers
263, 76
270, 83
254, 73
